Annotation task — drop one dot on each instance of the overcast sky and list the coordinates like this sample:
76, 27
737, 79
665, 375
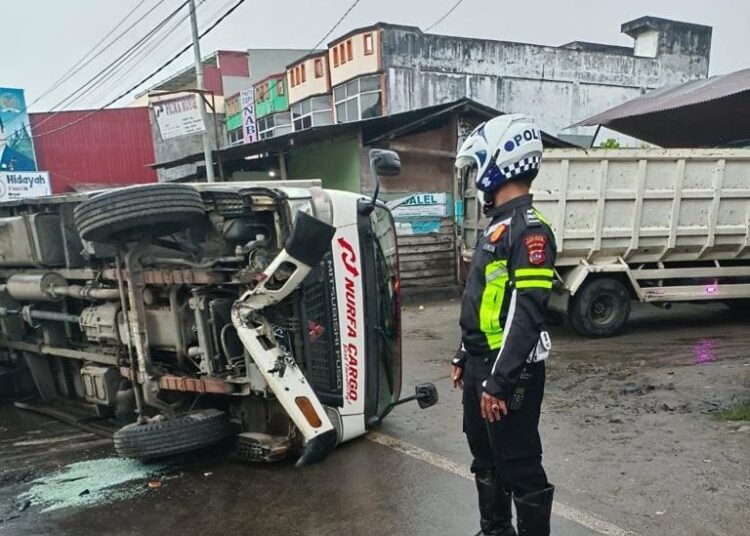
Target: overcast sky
43, 38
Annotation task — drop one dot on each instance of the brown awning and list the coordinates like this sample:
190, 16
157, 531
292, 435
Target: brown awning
702, 113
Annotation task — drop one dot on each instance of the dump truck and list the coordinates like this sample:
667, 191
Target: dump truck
652, 225
267, 311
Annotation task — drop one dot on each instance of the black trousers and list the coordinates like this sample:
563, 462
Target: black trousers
511, 446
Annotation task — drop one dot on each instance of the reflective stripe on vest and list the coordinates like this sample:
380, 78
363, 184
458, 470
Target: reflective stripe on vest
496, 279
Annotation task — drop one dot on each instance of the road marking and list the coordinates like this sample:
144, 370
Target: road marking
51, 440
558, 508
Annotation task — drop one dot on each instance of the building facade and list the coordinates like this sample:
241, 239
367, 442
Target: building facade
272, 106
309, 82
226, 73
386, 69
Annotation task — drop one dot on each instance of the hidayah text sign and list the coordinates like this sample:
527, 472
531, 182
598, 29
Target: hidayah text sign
22, 184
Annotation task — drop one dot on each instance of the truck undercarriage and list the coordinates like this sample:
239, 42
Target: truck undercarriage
205, 311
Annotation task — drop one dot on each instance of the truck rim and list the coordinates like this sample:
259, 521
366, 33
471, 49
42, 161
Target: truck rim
603, 309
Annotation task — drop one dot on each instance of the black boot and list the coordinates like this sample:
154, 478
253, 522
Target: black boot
534, 511
495, 513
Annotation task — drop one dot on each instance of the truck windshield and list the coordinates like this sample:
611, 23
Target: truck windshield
386, 308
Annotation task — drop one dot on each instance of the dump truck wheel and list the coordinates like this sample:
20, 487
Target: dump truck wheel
600, 308
160, 438
145, 210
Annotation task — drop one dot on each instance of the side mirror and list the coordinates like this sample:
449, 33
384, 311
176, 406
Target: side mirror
427, 395
382, 163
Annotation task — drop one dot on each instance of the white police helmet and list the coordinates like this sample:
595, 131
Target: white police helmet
501, 149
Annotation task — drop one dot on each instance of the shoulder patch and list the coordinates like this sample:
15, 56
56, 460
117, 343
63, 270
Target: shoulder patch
497, 234
531, 219
535, 244
490, 229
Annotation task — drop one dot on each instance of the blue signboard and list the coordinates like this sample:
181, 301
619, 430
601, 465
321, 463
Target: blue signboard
16, 144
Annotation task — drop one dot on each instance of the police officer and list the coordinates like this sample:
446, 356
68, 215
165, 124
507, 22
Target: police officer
500, 363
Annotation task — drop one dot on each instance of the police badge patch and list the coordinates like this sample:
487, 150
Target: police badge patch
535, 248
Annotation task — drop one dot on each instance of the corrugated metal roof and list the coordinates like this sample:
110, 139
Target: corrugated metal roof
111, 147
700, 113
373, 130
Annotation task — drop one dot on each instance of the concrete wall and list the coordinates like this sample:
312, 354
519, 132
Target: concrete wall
172, 149
559, 86
336, 162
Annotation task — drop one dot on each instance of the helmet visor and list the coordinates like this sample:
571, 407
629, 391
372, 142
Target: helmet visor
466, 170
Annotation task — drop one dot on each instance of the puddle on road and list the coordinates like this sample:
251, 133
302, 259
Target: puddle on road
91, 483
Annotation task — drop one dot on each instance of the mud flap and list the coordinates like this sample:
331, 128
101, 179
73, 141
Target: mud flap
305, 248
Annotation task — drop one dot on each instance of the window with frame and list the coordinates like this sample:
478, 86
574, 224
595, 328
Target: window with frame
368, 44
274, 125
349, 50
312, 112
302, 73
280, 87
293, 76
342, 53
357, 99
233, 106
235, 136
335, 56
318, 68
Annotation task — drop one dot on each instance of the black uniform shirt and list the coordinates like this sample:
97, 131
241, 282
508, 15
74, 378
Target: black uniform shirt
506, 294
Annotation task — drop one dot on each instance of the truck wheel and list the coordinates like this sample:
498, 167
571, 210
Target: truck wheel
600, 309
160, 438
130, 213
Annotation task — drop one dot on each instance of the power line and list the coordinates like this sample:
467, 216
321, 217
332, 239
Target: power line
127, 67
333, 28
445, 16
102, 75
85, 60
147, 78
106, 71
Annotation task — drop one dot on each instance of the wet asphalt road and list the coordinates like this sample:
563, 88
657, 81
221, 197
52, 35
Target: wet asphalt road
364, 488
414, 485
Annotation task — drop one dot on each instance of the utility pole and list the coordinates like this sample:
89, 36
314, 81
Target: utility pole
199, 84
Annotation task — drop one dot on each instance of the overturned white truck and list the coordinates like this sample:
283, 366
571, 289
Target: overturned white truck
269, 311
652, 225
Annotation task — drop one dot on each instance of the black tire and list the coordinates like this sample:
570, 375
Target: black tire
161, 438
145, 210
600, 308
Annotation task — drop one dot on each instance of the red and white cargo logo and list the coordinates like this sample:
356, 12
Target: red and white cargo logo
351, 350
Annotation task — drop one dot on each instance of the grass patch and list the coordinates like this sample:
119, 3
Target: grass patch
738, 412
